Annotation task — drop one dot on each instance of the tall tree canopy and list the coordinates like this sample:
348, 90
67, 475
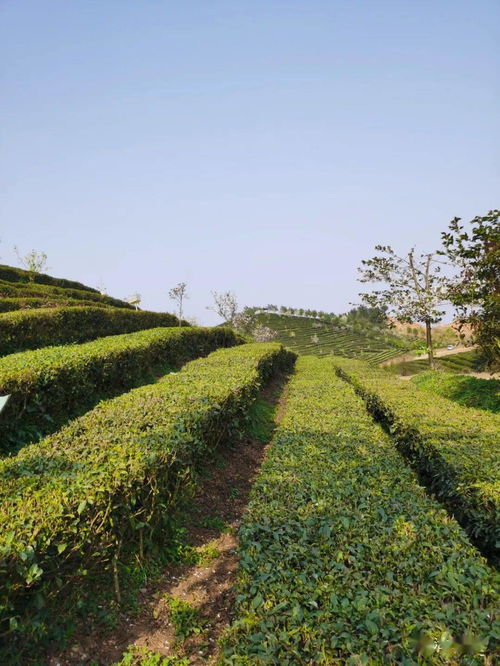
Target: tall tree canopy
475, 291
414, 289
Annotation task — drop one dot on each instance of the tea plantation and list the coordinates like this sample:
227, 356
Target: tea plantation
372, 530
316, 337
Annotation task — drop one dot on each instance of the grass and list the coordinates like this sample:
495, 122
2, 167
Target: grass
184, 617
467, 391
203, 556
137, 656
260, 424
463, 362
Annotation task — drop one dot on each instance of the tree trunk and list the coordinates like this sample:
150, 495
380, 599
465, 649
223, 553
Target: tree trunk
428, 334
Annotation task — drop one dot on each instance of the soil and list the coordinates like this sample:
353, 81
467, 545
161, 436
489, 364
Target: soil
222, 493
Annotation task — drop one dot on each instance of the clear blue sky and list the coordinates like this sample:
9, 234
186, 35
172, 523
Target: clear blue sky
262, 146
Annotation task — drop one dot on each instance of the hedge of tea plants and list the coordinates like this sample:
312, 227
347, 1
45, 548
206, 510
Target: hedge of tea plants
456, 450
103, 489
467, 391
50, 385
343, 557
32, 329
13, 274
33, 290
29, 303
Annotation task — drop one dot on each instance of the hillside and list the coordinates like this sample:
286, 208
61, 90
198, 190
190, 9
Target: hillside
316, 337
22, 290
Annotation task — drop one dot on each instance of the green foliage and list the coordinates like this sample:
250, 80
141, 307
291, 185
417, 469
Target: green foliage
32, 329
50, 385
297, 333
103, 490
261, 421
467, 391
476, 289
462, 362
34, 290
202, 556
184, 617
30, 303
455, 450
213, 523
343, 557
137, 656
12, 274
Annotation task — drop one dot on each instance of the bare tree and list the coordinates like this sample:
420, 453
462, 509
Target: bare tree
414, 289
33, 262
225, 305
263, 333
179, 294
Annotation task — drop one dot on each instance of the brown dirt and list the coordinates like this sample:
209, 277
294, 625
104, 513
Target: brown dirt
222, 493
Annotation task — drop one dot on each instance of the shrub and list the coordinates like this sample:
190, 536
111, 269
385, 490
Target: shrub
31, 329
343, 557
21, 290
50, 385
12, 274
455, 450
103, 490
467, 391
28, 303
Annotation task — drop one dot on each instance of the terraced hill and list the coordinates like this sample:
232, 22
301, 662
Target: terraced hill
21, 290
464, 362
316, 337
38, 310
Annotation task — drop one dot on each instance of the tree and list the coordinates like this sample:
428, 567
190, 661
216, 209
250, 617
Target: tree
225, 305
33, 262
475, 290
368, 316
179, 294
414, 289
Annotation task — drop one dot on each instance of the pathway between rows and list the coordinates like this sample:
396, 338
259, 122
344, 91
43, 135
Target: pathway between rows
211, 526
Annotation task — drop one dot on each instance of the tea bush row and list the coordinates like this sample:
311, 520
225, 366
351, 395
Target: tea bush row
343, 557
27, 303
12, 274
456, 450
50, 385
32, 329
33, 290
103, 490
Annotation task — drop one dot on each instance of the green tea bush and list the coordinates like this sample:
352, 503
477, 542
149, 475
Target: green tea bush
103, 490
343, 557
27, 303
32, 329
32, 290
456, 450
467, 391
50, 385
12, 274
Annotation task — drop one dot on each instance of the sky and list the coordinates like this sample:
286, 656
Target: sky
259, 146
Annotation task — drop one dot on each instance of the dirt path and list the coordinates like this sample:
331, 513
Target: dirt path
438, 353
207, 585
